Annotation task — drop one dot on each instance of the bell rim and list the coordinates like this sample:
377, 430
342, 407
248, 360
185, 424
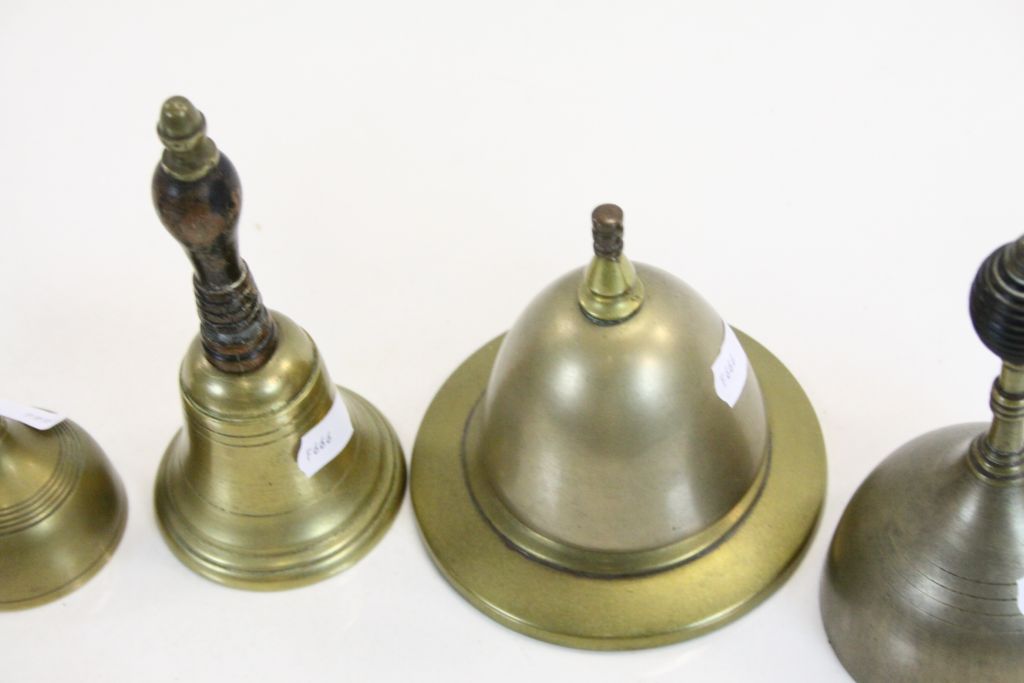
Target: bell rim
332, 559
623, 612
71, 435
83, 578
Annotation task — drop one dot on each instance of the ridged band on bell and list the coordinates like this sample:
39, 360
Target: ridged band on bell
925, 575
62, 512
581, 480
232, 500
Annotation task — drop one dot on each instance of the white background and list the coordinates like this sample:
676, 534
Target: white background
828, 174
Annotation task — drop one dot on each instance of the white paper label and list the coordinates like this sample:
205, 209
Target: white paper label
730, 369
36, 418
323, 442
1020, 596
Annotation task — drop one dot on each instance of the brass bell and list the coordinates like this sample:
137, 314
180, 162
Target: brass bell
925, 575
621, 469
278, 478
62, 507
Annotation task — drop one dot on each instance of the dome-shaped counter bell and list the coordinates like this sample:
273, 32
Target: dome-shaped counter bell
62, 507
621, 469
278, 477
925, 576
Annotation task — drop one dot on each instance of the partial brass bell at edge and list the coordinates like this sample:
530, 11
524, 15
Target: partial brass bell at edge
925, 575
621, 469
62, 511
238, 495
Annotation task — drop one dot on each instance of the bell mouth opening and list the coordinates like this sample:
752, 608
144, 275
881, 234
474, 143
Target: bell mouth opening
585, 561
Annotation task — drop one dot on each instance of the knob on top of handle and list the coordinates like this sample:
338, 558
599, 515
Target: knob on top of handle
997, 302
182, 129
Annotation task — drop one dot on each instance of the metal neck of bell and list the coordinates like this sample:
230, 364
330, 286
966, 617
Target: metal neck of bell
998, 456
611, 291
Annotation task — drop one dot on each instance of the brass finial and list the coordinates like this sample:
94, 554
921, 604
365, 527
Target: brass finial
610, 292
182, 128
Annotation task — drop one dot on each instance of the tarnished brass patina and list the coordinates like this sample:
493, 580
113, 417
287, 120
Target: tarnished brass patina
580, 480
62, 512
231, 498
925, 576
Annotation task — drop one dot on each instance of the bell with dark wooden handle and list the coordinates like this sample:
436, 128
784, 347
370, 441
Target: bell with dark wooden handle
925, 576
278, 478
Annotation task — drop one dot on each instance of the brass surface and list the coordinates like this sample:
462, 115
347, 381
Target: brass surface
607, 442
189, 154
626, 612
62, 512
580, 481
231, 499
924, 579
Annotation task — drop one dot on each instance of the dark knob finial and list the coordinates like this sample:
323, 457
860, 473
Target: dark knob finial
997, 302
607, 230
198, 197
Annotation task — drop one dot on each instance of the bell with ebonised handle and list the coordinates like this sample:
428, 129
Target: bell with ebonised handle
278, 477
924, 579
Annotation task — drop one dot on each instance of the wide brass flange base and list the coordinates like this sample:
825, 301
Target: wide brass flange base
275, 552
62, 512
629, 612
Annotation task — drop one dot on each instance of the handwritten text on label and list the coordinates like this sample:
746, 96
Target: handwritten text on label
730, 369
326, 439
